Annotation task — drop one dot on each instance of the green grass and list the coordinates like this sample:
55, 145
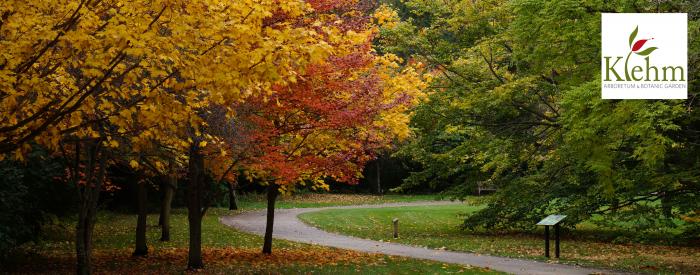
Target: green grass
116, 231
438, 227
389, 265
114, 237
258, 201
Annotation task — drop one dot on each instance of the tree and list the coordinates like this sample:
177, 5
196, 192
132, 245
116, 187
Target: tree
141, 247
135, 74
329, 121
168, 188
528, 116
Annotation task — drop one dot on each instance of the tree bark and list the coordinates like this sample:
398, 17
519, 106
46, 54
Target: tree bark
162, 187
141, 248
166, 205
232, 203
194, 259
194, 207
272, 192
89, 194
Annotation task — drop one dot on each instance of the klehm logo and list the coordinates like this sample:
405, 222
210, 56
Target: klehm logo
644, 56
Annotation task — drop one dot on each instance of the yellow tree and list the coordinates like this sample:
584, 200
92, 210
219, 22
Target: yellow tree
86, 77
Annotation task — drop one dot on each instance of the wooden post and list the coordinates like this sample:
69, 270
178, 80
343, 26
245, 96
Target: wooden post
546, 241
556, 241
396, 227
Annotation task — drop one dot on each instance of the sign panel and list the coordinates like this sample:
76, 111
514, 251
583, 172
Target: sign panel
551, 220
644, 56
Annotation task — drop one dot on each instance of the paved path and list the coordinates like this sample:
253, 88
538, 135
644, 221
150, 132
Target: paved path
289, 227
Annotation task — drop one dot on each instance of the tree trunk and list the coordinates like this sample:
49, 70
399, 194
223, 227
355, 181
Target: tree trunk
232, 203
166, 204
272, 193
194, 207
141, 246
163, 185
194, 260
89, 194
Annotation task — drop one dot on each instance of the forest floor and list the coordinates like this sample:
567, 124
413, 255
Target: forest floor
226, 250
438, 227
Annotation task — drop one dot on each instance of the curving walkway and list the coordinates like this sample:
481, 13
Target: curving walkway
289, 227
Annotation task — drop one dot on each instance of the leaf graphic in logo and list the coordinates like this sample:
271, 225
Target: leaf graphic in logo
647, 51
639, 44
633, 35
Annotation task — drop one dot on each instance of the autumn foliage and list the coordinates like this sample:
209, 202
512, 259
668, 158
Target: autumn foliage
331, 117
221, 260
289, 91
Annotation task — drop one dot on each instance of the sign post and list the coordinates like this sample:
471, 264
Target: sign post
551, 220
556, 241
546, 241
395, 221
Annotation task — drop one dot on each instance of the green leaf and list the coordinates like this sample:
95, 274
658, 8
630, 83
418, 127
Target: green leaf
647, 51
633, 35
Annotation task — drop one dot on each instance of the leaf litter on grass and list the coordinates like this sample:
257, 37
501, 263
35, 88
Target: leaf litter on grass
169, 260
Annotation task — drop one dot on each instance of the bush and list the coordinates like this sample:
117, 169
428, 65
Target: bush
29, 196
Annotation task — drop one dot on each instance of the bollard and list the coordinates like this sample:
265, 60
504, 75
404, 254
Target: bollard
396, 227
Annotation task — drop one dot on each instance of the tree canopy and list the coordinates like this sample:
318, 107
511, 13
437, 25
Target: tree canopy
516, 104
288, 91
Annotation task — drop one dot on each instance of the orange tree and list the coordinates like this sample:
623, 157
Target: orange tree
330, 118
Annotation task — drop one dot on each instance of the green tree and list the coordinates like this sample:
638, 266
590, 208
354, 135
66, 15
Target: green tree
516, 103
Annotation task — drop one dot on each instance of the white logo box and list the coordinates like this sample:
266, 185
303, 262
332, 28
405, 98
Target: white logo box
663, 72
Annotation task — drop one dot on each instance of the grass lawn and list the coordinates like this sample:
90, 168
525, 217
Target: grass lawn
226, 251
438, 227
258, 201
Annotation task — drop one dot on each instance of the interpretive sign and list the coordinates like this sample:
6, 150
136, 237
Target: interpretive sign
551, 220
